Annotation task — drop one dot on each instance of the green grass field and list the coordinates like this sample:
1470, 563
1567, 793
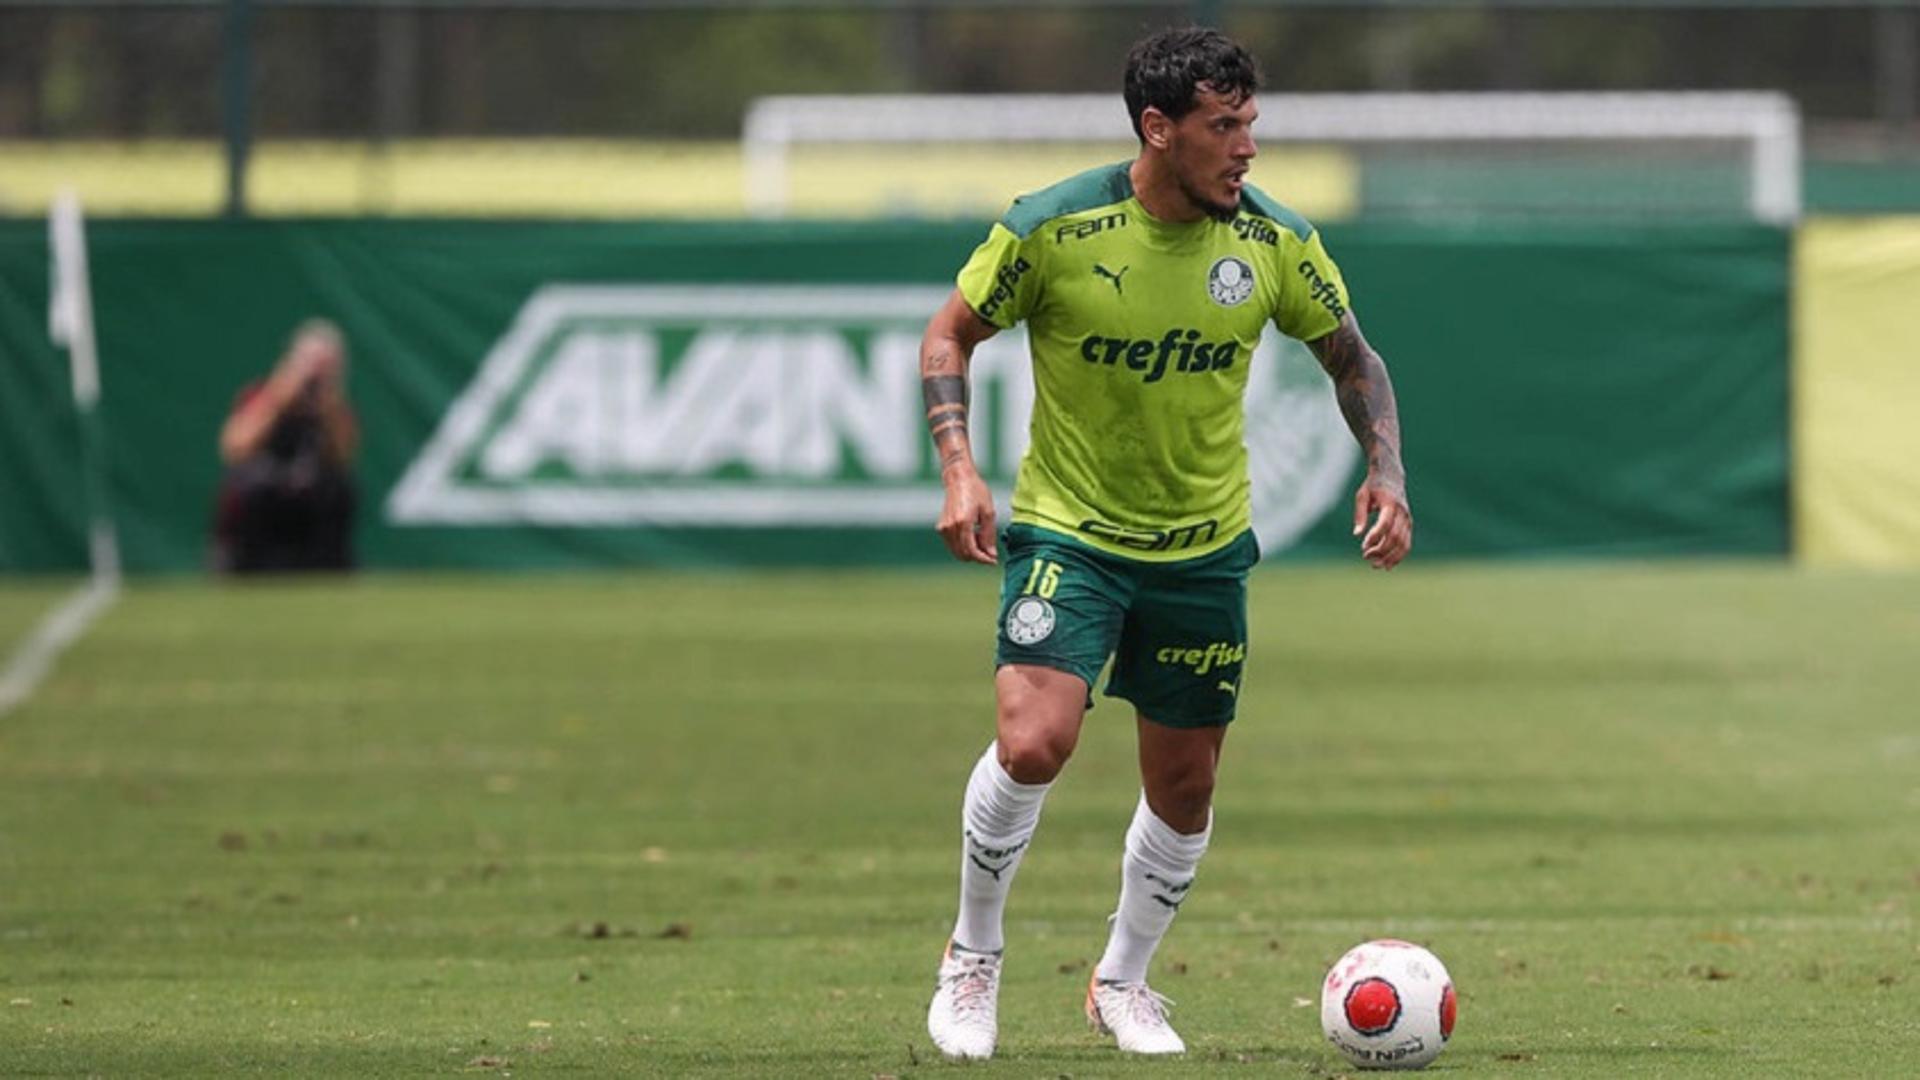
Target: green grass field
1657, 820
23, 603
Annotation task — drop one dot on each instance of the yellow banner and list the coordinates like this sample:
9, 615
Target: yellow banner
1856, 385
621, 178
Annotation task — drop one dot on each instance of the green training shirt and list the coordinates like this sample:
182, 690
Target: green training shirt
1141, 332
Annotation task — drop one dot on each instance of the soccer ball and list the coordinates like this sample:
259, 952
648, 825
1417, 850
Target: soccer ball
1388, 1005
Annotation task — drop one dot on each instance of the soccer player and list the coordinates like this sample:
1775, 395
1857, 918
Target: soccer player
1145, 287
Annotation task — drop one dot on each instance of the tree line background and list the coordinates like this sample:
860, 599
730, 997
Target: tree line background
377, 72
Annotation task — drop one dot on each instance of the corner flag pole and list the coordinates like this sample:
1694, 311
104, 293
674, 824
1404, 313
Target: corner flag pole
70, 322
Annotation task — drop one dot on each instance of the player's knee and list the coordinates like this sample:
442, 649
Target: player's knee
1182, 796
1038, 722
1032, 754
1034, 742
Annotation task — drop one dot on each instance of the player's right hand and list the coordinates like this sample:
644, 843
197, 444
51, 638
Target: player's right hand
966, 521
1391, 535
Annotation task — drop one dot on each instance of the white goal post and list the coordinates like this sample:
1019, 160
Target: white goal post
1764, 126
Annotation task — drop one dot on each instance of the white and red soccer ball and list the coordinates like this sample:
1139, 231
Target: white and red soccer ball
1388, 1005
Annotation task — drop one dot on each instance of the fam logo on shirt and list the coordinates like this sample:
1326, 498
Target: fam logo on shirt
1230, 281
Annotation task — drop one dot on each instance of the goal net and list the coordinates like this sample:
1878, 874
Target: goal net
1667, 156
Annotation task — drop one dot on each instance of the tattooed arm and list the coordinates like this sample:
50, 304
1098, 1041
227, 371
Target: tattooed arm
1366, 399
966, 521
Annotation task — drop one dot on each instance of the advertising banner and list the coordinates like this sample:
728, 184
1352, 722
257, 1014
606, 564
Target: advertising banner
594, 394
1857, 378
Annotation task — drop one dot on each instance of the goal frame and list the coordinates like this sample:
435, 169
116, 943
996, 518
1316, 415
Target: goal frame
1768, 122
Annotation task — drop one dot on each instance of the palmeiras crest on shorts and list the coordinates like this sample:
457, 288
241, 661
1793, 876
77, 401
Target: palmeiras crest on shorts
1230, 281
1029, 621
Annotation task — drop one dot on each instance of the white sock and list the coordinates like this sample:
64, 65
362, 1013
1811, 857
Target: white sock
997, 822
1155, 874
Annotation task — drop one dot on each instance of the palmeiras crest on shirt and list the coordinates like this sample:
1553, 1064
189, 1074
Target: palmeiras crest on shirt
1029, 621
1230, 281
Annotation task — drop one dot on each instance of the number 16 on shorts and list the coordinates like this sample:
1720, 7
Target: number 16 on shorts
1043, 580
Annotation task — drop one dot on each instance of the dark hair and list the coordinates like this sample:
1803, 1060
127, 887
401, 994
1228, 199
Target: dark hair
1165, 71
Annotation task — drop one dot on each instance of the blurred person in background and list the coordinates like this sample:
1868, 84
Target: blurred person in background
1145, 286
286, 499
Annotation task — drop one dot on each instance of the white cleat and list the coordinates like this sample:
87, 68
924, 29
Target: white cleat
964, 1018
1134, 1015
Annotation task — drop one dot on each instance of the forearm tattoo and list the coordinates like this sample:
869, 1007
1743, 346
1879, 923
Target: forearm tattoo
1365, 394
943, 386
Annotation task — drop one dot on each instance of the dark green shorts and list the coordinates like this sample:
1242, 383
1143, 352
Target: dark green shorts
1177, 631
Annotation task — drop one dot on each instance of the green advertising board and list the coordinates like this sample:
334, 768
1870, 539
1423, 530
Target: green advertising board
593, 394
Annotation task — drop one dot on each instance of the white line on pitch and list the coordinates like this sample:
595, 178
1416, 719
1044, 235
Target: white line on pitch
61, 628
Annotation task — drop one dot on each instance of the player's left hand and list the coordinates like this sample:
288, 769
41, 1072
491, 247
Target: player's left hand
1391, 536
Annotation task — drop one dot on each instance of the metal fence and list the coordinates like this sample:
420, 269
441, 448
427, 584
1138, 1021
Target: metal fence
326, 105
